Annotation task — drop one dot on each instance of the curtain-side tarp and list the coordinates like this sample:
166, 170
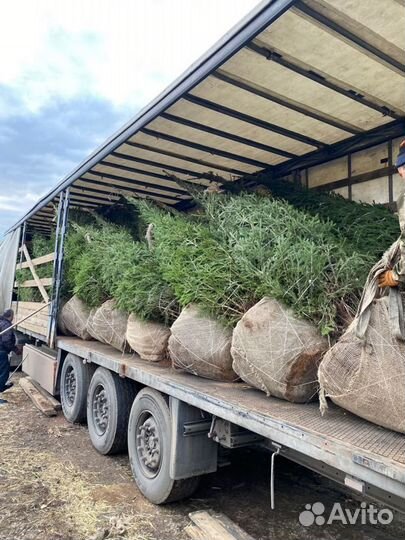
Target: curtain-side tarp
8, 258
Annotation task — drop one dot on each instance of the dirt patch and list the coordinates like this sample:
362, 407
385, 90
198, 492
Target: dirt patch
55, 486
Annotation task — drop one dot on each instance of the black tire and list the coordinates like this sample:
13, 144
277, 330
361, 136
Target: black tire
150, 414
74, 383
109, 401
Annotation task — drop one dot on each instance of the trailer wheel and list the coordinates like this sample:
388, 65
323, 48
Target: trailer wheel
109, 401
149, 447
74, 383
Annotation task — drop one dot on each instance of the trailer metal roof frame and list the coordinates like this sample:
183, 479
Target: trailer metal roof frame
252, 120
344, 33
243, 32
210, 150
258, 102
269, 54
143, 172
265, 93
135, 183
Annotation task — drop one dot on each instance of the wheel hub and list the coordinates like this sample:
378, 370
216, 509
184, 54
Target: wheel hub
149, 446
100, 409
70, 386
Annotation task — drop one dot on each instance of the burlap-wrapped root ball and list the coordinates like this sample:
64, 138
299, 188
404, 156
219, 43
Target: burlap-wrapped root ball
74, 317
62, 329
147, 338
108, 324
278, 353
367, 376
201, 345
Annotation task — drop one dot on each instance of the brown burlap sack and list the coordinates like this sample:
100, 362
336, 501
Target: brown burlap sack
200, 345
278, 353
74, 316
62, 329
109, 325
366, 375
365, 371
148, 339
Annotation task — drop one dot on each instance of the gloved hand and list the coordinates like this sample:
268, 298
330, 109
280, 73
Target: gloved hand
387, 279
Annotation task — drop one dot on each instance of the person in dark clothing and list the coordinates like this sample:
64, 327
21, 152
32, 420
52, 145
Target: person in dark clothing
7, 345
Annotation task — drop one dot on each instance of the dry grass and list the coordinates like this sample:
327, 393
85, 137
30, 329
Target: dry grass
47, 490
49, 494
58, 497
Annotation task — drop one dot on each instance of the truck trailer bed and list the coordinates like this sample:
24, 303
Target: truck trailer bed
352, 451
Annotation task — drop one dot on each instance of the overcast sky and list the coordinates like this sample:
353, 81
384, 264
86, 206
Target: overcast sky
73, 71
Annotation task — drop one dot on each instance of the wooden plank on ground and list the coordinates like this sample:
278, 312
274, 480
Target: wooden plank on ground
41, 402
215, 526
195, 532
53, 401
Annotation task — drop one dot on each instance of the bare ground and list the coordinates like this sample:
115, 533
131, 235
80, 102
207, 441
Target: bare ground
55, 486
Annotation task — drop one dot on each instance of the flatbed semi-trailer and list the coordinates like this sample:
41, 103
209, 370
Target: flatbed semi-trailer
257, 103
204, 413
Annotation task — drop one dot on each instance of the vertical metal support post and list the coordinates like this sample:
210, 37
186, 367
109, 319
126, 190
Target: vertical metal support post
390, 176
61, 229
349, 178
273, 457
297, 178
23, 229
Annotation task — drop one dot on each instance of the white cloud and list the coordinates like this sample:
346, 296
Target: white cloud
18, 202
125, 51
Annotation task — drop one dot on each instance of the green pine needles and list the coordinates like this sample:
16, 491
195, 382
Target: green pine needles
103, 261
197, 265
289, 255
368, 228
225, 259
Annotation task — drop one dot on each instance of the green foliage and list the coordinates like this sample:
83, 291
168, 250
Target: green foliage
94, 245
241, 248
75, 244
288, 255
124, 214
104, 262
196, 265
137, 284
78, 216
368, 228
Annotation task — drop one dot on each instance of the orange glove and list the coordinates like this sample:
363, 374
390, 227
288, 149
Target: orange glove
387, 279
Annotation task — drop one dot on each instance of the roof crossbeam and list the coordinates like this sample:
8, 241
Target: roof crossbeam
197, 146
164, 166
292, 65
294, 106
348, 35
252, 120
143, 186
226, 135
152, 174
